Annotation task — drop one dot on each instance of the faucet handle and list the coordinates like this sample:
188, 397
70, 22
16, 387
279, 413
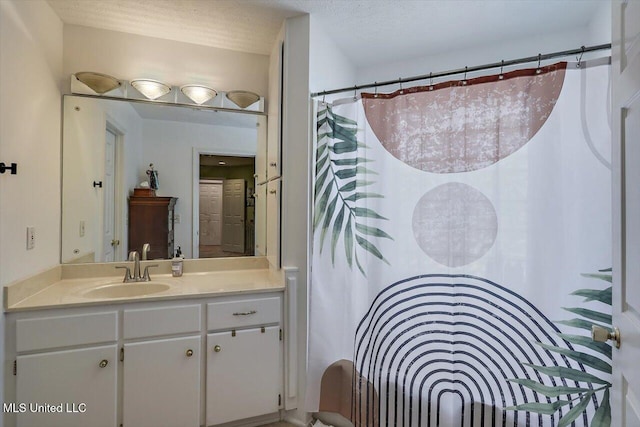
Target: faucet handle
145, 276
127, 273
145, 249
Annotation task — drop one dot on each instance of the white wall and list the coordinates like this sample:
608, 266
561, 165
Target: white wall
30, 78
509, 49
127, 56
599, 29
295, 174
328, 66
169, 146
312, 62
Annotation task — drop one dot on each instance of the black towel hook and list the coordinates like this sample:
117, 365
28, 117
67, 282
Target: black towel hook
13, 168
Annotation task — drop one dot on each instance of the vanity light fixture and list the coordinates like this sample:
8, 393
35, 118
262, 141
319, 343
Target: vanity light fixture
152, 89
198, 93
243, 98
222, 163
99, 83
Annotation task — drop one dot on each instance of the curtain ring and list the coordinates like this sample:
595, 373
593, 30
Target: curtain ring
430, 81
464, 81
501, 76
400, 82
355, 92
538, 70
375, 93
579, 64
323, 97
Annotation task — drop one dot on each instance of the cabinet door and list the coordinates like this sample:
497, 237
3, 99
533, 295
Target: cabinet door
261, 152
162, 383
72, 380
243, 374
261, 220
273, 222
275, 112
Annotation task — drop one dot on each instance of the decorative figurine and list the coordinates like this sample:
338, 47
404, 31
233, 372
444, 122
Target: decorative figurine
153, 177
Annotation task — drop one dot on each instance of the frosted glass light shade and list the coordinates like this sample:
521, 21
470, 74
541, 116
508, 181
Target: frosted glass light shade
198, 94
243, 98
99, 83
152, 89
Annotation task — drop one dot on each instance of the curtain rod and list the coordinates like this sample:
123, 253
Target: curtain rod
538, 57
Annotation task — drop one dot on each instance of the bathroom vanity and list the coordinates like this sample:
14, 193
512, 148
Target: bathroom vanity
202, 349
209, 348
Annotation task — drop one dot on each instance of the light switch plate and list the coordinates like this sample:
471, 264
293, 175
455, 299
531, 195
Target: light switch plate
31, 237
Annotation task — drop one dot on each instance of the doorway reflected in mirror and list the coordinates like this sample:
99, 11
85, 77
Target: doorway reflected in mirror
226, 208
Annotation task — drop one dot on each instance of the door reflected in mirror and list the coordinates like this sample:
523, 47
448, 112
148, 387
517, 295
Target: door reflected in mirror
203, 160
227, 206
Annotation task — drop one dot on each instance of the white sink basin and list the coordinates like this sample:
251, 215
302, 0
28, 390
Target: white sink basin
126, 290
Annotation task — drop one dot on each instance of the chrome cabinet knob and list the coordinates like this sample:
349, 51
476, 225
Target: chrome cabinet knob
601, 334
189, 353
103, 363
217, 349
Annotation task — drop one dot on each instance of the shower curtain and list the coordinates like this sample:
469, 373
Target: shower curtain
461, 253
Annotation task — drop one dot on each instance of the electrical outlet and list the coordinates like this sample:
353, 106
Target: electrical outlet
176, 219
81, 228
31, 237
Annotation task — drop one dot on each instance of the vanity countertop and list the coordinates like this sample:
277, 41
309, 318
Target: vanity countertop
63, 288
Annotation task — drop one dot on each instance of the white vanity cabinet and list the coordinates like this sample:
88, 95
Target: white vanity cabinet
161, 377
244, 360
197, 361
79, 384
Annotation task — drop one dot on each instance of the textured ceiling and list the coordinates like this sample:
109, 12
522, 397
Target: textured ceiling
365, 30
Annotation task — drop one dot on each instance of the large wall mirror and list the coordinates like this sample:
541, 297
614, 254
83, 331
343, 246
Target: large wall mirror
205, 162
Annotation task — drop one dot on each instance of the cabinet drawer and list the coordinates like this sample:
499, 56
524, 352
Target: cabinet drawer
64, 331
161, 321
243, 313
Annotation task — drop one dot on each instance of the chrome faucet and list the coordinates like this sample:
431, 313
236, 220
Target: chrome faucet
145, 250
136, 276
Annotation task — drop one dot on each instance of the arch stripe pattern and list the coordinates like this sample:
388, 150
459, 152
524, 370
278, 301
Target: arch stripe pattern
441, 346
